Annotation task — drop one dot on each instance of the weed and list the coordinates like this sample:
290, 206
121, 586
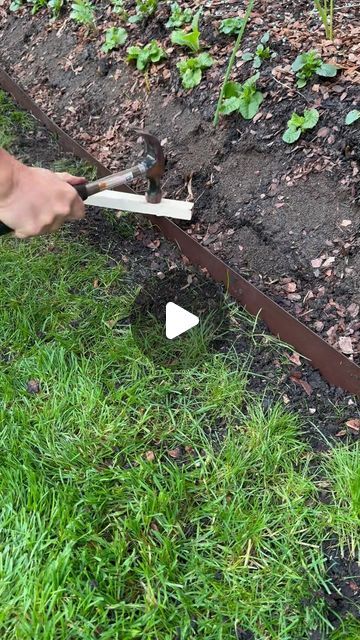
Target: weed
242, 98
298, 124
232, 60
231, 26
191, 69
55, 7
37, 5
119, 9
15, 5
144, 56
352, 116
144, 9
114, 37
190, 39
13, 122
325, 10
82, 12
308, 64
262, 52
179, 17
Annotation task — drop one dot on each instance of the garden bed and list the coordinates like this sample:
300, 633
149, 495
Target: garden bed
285, 216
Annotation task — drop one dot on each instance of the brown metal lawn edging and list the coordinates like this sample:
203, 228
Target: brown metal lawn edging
336, 368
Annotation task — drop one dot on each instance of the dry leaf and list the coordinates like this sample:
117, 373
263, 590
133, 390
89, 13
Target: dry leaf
175, 453
316, 263
353, 424
295, 358
302, 383
150, 456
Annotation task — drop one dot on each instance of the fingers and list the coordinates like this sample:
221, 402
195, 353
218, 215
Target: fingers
67, 177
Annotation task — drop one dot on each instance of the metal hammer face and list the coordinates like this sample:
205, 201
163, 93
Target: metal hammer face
154, 161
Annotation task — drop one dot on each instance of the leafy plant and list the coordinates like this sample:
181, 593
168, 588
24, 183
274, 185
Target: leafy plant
262, 52
178, 17
37, 5
144, 56
191, 69
231, 26
190, 39
82, 11
144, 9
114, 37
242, 98
298, 124
325, 10
119, 9
15, 5
308, 64
232, 58
352, 116
56, 6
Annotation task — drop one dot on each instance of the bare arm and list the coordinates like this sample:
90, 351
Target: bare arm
35, 201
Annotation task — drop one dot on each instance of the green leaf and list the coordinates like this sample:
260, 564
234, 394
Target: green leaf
183, 39
301, 83
265, 38
327, 70
311, 118
205, 60
298, 63
229, 105
231, 26
296, 121
249, 108
352, 116
291, 135
257, 62
232, 90
133, 53
114, 37
247, 56
178, 17
191, 78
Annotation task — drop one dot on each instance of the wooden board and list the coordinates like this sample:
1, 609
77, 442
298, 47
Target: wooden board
137, 203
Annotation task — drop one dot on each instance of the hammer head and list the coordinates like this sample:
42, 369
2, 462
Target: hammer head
154, 161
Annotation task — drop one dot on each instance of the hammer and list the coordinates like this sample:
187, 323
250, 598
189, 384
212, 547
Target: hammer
151, 166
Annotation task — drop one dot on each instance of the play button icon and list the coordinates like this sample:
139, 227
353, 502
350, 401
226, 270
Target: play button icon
178, 320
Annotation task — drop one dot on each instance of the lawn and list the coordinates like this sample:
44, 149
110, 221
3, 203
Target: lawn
139, 501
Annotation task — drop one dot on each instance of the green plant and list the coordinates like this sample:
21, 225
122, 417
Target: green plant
144, 9
262, 52
325, 10
178, 17
56, 6
119, 9
37, 5
15, 5
144, 56
190, 39
82, 12
242, 98
231, 26
298, 124
191, 69
352, 116
114, 37
232, 60
308, 64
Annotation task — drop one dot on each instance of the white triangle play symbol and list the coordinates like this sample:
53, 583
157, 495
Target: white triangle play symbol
178, 320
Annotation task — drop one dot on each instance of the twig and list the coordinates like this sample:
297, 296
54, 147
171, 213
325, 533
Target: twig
232, 60
291, 89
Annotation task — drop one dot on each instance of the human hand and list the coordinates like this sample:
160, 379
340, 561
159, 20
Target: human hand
35, 201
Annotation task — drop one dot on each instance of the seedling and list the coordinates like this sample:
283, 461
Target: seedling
179, 17
144, 56
15, 5
82, 12
144, 9
231, 26
114, 37
325, 10
308, 64
242, 98
191, 69
119, 9
190, 39
262, 52
56, 6
352, 116
37, 5
298, 124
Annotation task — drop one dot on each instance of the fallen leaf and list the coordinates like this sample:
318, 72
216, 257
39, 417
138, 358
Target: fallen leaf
175, 453
302, 383
340, 434
316, 263
328, 262
33, 386
345, 345
353, 424
323, 132
295, 358
150, 456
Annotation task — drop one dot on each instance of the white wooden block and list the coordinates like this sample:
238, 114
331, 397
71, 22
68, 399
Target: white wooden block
137, 204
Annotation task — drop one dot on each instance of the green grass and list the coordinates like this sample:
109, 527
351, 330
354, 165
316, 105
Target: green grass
96, 541
99, 539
